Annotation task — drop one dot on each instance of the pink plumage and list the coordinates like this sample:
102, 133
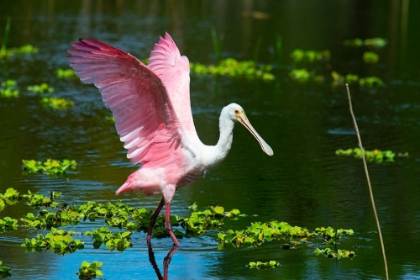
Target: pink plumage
152, 111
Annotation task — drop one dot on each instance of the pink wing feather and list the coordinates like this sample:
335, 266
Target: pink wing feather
144, 115
174, 71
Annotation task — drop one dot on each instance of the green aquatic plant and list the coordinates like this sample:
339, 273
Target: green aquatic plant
370, 57
90, 270
9, 89
303, 75
56, 103
8, 224
58, 241
260, 265
376, 155
9, 52
217, 43
66, 73
370, 82
41, 88
329, 253
49, 219
4, 270
51, 167
339, 80
331, 235
259, 232
371, 42
299, 55
232, 67
112, 240
110, 119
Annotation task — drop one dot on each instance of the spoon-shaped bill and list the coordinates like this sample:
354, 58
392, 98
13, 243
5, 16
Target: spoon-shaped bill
245, 122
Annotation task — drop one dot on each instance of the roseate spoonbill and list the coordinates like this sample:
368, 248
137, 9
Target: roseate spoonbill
152, 111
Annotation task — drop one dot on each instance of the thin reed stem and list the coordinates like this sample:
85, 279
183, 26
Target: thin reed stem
368, 181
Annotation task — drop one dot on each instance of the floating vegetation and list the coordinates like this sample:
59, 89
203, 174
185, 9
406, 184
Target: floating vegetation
51, 167
371, 42
377, 156
329, 253
112, 240
331, 235
41, 88
370, 82
26, 49
9, 52
299, 55
303, 75
4, 270
260, 265
370, 57
9, 89
7, 224
259, 232
58, 241
90, 270
339, 80
110, 119
56, 103
233, 68
66, 73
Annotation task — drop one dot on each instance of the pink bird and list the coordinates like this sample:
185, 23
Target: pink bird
152, 111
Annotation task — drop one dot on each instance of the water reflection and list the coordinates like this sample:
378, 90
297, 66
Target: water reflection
166, 261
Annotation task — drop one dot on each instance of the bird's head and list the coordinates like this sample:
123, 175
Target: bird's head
237, 114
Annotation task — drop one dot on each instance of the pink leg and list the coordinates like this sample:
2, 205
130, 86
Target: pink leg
153, 220
168, 225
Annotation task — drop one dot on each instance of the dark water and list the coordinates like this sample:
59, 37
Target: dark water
304, 183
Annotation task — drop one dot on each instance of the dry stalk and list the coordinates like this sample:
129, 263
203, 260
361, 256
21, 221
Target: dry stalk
368, 182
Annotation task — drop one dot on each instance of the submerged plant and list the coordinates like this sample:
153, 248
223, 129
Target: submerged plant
51, 167
259, 265
377, 156
9, 89
90, 270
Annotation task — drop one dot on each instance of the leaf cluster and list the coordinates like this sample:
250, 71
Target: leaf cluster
376, 155
259, 232
8, 89
51, 167
112, 240
259, 265
58, 241
4, 270
90, 270
231, 67
66, 73
329, 253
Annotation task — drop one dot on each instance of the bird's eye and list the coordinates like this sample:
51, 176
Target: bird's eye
236, 111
